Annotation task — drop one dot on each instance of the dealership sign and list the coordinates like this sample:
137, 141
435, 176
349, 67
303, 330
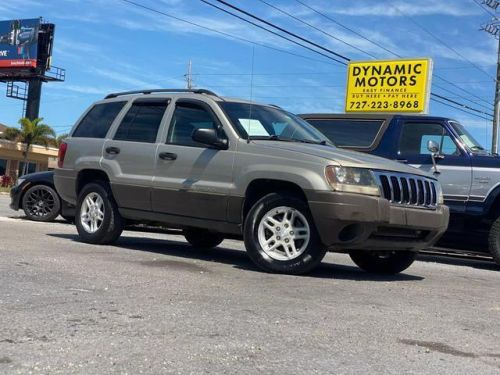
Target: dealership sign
19, 43
389, 86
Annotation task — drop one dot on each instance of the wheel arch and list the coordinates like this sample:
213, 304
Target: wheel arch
259, 188
89, 175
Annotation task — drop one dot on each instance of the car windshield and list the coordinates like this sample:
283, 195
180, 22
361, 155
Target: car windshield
466, 137
262, 122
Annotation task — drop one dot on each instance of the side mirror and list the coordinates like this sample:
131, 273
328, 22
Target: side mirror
210, 137
433, 147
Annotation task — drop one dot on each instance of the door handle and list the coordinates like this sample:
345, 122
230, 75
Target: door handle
167, 156
112, 150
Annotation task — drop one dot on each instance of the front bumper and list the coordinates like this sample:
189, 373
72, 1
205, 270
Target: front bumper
15, 197
353, 221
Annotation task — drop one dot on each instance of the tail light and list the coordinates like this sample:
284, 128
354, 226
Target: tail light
62, 153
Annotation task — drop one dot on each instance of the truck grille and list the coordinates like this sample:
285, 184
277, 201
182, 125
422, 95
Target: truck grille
408, 189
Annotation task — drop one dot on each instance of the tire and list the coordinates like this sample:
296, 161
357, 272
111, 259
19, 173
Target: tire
494, 241
41, 203
203, 238
280, 257
383, 262
104, 223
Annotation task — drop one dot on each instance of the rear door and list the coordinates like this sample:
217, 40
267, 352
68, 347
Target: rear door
454, 166
129, 157
192, 179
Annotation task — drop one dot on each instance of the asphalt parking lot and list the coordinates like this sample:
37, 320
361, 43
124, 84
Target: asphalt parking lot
151, 304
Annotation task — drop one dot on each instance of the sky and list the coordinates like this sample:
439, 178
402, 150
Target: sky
111, 45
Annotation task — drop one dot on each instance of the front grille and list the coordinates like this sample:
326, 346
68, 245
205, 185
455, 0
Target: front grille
408, 190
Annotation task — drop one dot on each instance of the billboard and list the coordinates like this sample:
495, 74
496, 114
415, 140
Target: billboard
19, 43
389, 86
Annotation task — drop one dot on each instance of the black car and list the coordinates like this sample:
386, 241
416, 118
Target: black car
36, 195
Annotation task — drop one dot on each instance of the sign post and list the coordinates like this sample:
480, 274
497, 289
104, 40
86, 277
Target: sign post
389, 86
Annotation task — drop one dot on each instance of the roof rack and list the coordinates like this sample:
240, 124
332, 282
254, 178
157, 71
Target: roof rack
145, 92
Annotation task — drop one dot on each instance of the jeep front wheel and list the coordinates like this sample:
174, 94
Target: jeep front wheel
97, 218
280, 235
385, 262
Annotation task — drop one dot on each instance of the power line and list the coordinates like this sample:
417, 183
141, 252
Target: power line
222, 32
281, 29
347, 28
317, 28
462, 110
489, 12
442, 42
270, 31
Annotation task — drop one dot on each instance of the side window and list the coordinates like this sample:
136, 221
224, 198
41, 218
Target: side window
142, 121
416, 136
98, 120
186, 119
349, 132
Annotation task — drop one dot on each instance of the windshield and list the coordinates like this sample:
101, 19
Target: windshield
466, 137
255, 121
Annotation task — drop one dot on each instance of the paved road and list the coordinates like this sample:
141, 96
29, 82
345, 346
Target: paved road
153, 305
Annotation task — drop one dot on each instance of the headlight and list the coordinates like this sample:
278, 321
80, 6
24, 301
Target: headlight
352, 180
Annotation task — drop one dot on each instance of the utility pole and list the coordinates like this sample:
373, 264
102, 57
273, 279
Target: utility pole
189, 76
493, 27
496, 119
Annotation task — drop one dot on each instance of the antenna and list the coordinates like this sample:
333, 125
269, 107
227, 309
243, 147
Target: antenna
251, 96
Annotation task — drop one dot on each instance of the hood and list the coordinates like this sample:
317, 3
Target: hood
345, 158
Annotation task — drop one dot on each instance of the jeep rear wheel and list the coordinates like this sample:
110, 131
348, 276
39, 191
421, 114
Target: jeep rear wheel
385, 262
280, 235
202, 238
494, 241
97, 218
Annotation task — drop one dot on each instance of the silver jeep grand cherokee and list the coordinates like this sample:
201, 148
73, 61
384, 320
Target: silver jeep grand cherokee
220, 168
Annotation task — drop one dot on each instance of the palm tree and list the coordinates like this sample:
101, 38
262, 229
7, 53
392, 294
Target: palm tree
31, 132
56, 142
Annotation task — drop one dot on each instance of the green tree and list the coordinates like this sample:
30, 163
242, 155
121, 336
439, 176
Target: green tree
31, 132
59, 139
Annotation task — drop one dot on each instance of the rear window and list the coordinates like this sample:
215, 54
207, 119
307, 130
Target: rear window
349, 133
98, 120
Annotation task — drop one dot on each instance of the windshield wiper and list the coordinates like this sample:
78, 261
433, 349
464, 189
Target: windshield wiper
309, 141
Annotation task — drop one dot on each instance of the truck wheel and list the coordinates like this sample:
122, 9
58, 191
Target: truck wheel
386, 262
41, 203
280, 235
97, 218
202, 238
494, 241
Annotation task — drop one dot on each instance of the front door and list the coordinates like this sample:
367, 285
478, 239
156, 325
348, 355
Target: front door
454, 166
129, 157
192, 179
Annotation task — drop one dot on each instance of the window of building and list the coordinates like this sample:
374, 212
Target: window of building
31, 168
98, 120
349, 132
187, 118
142, 121
3, 167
